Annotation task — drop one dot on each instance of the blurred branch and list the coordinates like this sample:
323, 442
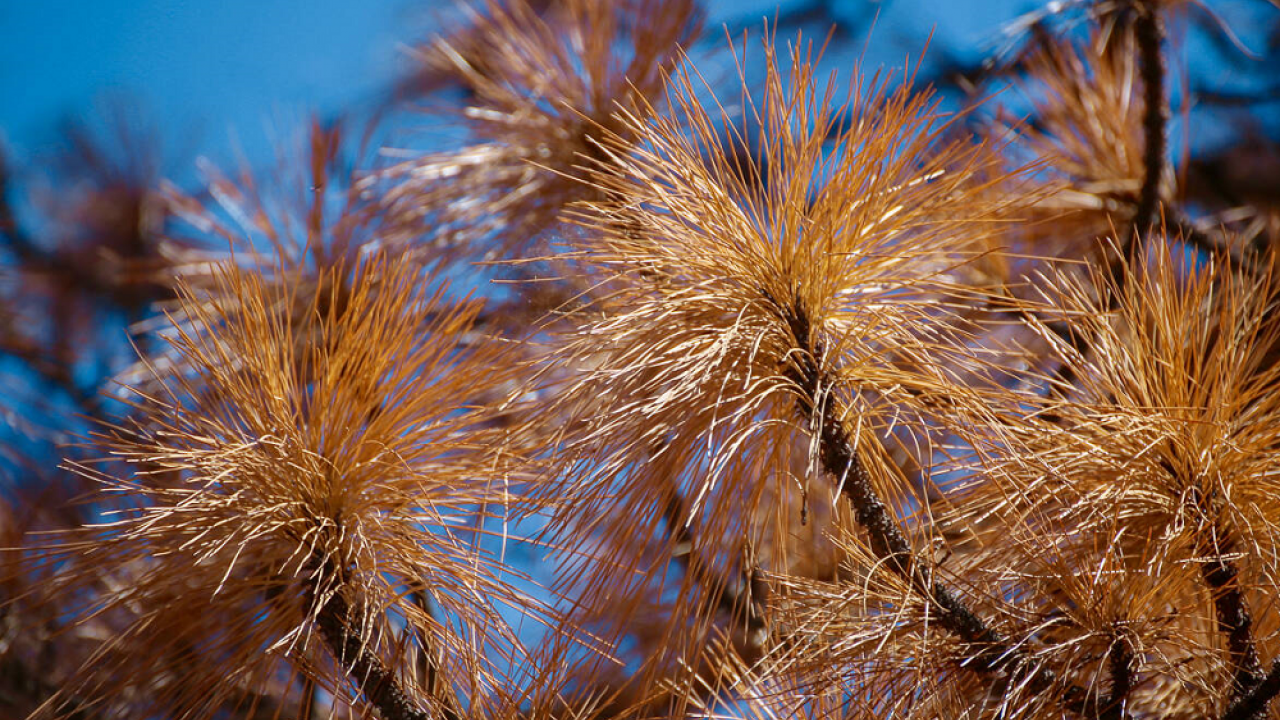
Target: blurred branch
1240, 259
742, 599
22, 245
816, 12
30, 254
1229, 98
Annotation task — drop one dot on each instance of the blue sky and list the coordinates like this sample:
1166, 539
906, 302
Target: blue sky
198, 68
217, 75
204, 69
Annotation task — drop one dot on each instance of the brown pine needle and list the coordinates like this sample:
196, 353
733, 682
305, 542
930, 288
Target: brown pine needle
743, 324
346, 471
1167, 436
545, 89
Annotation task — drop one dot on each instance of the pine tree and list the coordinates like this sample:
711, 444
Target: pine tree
665, 394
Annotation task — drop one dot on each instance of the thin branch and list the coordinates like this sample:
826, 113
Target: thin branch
32, 257
1120, 663
313, 696
1148, 28
839, 457
1242, 261
1234, 620
969, 76
1231, 98
1254, 705
743, 600
374, 680
434, 679
821, 13
1235, 623
21, 243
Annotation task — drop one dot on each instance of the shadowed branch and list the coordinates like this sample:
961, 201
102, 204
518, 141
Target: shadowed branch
372, 678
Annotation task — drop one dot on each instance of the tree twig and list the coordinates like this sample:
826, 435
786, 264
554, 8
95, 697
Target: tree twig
1148, 28
374, 680
1235, 623
743, 600
1120, 664
1254, 705
839, 458
1242, 261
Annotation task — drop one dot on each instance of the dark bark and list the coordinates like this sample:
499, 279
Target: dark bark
1254, 705
1120, 664
1148, 28
1235, 623
378, 684
838, 454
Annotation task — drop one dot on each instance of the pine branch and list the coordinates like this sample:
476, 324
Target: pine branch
434, 680
22, 244
1240, 260
371, 677
1120, 664
1234, 619
1235, 623
1254, 705
839, 457
742, 600
1148, 29
31, 257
